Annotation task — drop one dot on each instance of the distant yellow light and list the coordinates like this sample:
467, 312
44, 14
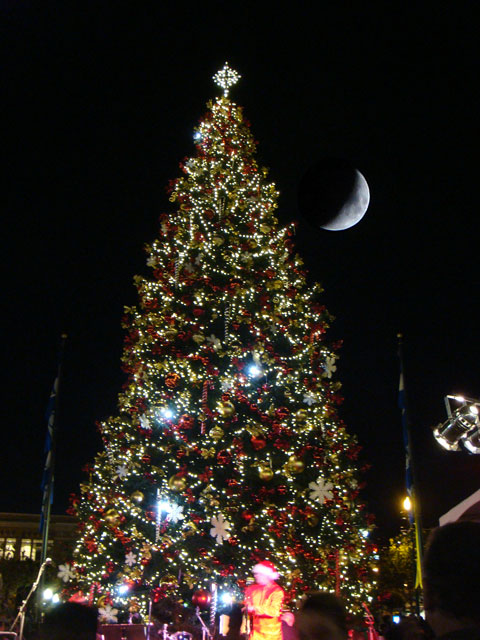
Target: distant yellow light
407, 504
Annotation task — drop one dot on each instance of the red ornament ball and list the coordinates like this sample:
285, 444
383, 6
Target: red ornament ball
202, 598
258, 443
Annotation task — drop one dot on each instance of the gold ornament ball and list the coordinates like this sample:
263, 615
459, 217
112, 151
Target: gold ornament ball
190, 529
295, 465
312, 520
101, 601
216, 433
112, 517
133, 606
265, 474
301, 415
177, 483
137, 496
226, 409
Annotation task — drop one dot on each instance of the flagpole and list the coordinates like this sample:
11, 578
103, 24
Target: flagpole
49, 471
411, 478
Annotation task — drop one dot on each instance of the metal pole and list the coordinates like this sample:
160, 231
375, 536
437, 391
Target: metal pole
47, 504
22, 611
412, 480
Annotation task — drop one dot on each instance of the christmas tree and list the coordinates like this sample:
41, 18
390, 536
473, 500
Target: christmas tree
227, 448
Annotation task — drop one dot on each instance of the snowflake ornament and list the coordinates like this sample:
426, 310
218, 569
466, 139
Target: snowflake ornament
193, 168
321, 490
66, 572
121, 471
220, 528
214, 342
151, 261
330, 366
226, 385
108, 614
130, 559
175, 513
309, 398
144, 423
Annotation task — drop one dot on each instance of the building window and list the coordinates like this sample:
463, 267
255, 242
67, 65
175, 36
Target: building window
26, 549
37, 549
32, 549
7, 548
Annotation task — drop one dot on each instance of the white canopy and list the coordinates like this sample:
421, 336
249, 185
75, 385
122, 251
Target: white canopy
468, 509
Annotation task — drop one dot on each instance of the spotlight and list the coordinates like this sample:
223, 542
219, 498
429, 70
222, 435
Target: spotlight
122, 589
472, 442
47, 594
461, 428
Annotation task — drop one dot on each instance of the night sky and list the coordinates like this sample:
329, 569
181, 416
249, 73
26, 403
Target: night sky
100, 102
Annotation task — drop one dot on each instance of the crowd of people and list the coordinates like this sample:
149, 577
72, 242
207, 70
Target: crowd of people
451, 601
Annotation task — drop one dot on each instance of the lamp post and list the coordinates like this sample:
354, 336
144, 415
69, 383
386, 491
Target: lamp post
413, 592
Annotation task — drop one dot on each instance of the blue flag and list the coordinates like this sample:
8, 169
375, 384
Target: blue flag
47, 478
406, 443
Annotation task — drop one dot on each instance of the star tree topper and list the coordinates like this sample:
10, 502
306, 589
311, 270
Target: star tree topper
226, 78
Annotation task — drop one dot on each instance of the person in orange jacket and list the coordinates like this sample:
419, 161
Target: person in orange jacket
263, 603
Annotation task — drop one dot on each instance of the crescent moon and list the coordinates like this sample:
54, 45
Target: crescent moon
354, 208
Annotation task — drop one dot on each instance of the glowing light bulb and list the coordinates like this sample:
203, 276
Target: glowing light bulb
166, 413
407, 504
226, 598
164, 506
254, 371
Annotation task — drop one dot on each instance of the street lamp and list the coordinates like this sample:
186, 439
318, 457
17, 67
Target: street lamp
462, 427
